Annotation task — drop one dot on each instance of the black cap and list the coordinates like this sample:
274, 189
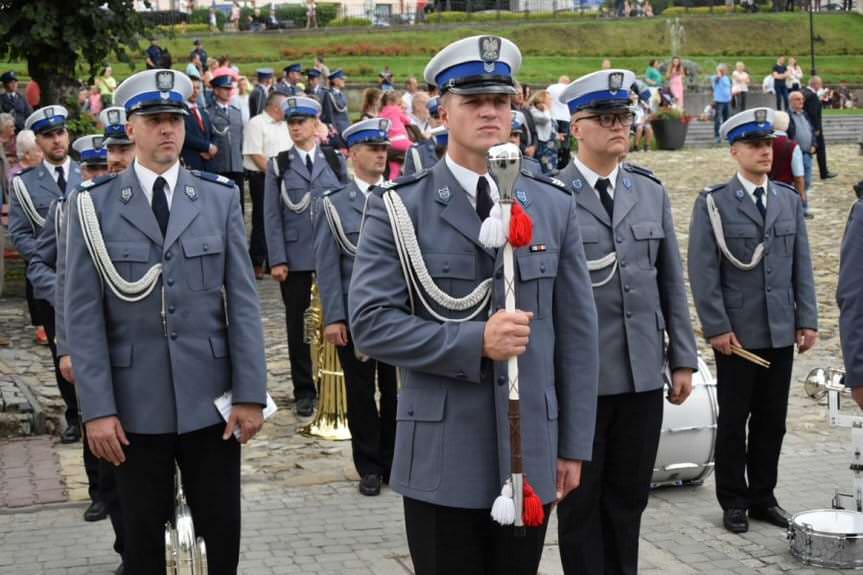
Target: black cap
8, 77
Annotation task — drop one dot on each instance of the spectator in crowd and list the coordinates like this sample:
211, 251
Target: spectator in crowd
213, 22
641, 127
322, 67
780, 87
235, 16
788, 158
371, 103
154, 54
107, 83
546, 134
311, 14
194, 68
241, 98
265, 137
420, 113
847, 99
198, 147
812, 104
391, 109
27, 151
795, 75
801, 130
410, 90
676, 76
721, 98
652, 76
606, 64
12, 102
386, 80
739, 86
94, 101
560, 114
7, 144
198, 51
519, 104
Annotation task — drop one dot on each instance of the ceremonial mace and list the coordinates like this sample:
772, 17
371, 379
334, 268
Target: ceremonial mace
508, 226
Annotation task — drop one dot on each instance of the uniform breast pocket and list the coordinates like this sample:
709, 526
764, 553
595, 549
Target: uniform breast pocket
537, 272
131, 259
453, 272
204, 266
741, 239
648, 236
590, 239
786, 233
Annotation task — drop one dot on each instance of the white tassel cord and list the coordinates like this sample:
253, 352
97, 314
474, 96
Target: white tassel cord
492, 233
335, 223
719, 234
503, 509
37, 222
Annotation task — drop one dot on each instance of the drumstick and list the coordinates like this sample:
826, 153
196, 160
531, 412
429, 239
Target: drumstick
744, 353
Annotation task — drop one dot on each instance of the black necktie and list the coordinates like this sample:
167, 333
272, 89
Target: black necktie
602, 185
160, 204
483, 198
309, 163
759, 201
61, 179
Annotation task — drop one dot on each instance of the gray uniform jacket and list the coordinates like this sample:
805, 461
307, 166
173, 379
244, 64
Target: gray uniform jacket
765, 306
334, 110
334, 266
164, 379
43, 190
228, 137
647, 296
850, 298
291, 236
420, 156
452, 439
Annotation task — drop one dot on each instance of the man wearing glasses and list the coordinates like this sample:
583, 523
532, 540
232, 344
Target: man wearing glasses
637, 276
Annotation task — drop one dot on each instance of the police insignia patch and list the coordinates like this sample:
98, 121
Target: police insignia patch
489, 48
49, 112
165, 81
615, 82
352, 195
760, 116
739, 194
521, 196
98, 141
577, 184
444, 194
113, 116
191, 193
126, 195
292, 102
627, 183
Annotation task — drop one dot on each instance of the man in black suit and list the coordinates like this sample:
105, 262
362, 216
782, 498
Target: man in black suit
198, 147
12, 102
812, 107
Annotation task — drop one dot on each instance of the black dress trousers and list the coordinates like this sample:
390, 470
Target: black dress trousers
210, 467
373, 432
257, 241
599, 522
455, 541
296, 294
756, 397
67, 390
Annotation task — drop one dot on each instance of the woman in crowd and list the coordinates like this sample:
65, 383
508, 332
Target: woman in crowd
676, 76
739, 86
546, 134
795, 75
393, 111
371, 103
107, 84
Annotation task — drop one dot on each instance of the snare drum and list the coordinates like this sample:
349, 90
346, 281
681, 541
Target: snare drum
827, 538
685, 454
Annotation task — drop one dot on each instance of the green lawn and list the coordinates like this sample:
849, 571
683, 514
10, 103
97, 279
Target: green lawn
571, 47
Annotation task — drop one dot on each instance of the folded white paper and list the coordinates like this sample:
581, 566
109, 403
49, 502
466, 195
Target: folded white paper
224, 403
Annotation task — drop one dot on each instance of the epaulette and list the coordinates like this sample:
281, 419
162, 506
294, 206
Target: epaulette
334, 190
25, 170
784, 185
547, 180
95, 182
633, 169
215, 178
401, 181
711, 189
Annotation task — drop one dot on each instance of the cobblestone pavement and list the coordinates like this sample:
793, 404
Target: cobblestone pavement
303, 516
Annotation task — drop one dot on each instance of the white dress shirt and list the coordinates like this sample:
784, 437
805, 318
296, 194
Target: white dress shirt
592, 176
468, 179
147, 178
52, 168
264, 136
750, 189
307, 153
364, 186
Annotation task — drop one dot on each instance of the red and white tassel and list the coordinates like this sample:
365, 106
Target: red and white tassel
503, 509
520, 227
533, 514
491, 233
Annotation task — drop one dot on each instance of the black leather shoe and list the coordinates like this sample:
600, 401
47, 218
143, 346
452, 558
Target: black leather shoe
370, 485
774, 515
96, 512
305, 406
120, 570
829, 175
72, 434
735, 520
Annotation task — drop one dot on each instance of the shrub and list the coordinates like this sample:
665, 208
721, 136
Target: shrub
349, 22
296, 13
503, 15
202, 16
185, 28
686, 10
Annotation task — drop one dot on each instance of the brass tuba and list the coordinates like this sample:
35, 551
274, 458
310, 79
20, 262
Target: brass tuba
185, 554
331, 418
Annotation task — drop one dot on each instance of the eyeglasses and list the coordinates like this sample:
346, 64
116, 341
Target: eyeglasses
608, 120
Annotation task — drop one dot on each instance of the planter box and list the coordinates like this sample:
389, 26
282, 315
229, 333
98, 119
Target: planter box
670, 133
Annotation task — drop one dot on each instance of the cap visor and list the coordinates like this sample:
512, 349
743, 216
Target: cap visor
118, 142
159, 109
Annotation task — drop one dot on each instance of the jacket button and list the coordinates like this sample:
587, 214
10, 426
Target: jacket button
171, 308
626, 288
173, 335
619, 239
446, 268
206, 248
623, 263
629, 314
410, 412
769, 270
501, 380
768, 289
168, 255
170, 281
542, 268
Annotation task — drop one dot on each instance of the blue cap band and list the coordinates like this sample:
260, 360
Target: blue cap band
370, 136
594, 97
304, 111
469, 69
153, 98
115, 130
51, 123
442, 139
748, 129
94, 154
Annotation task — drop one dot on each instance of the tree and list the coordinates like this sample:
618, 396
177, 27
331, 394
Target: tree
60, 39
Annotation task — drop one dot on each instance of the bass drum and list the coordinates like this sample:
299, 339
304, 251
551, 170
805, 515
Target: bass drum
686, 445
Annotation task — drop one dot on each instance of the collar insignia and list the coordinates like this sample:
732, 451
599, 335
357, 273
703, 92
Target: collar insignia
126, 195
521, 195
627, 183
191, 193
444, 194
577, 184
739, 194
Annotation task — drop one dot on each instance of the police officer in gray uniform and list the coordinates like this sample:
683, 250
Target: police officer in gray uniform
518, 136
335, 108
638, 285
446, 330
848, 296
227, 122
163, 318
337, 230
425, 153
295, 180
258, 97
32, 193
751, 277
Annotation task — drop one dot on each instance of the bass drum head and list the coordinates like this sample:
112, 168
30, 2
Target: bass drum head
688, 436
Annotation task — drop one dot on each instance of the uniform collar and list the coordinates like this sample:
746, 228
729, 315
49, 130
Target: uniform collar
592, 176
147, 178
303, 153
750, 187
66, 165
364, 186
467, 179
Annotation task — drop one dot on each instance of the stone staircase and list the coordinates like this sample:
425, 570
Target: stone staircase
837, 130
